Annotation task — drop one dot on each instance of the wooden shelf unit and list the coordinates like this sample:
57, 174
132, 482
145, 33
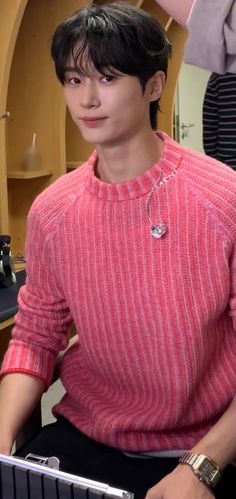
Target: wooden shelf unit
23, 175
30, 91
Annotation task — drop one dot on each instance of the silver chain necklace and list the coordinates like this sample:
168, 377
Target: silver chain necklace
160, 229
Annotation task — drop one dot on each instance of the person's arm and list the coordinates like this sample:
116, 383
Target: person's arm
220, 442
212, 31
210, 117
178, 10
40, 331
19, 394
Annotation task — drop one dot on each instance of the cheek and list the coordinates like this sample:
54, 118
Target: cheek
127, 103
69, 100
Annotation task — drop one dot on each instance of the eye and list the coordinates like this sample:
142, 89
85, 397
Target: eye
72, 81
107, 78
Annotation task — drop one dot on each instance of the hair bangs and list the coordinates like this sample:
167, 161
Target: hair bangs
104, 54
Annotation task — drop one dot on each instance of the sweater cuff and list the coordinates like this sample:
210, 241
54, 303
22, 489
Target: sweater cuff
24, 358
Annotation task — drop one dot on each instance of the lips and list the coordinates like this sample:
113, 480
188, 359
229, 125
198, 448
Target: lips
93, 121
93, 118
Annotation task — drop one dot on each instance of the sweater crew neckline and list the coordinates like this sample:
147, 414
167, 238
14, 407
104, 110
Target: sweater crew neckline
137, 186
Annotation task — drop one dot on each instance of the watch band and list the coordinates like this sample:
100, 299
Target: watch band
205, 468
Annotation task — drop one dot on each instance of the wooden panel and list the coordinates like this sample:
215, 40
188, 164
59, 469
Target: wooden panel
10, 19
35, 101
22, 193
155, 10
177, 36
5, 324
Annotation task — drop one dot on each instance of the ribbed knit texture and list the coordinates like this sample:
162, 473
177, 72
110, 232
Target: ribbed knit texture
155, 365
219, 118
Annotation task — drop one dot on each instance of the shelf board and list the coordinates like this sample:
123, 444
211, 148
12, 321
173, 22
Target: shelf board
72, 165
30, 174
19, 266
6, 323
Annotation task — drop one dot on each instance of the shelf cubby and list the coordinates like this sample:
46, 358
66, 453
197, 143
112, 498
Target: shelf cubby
23, 175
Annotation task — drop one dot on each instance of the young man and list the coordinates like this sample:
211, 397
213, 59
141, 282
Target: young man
137, 248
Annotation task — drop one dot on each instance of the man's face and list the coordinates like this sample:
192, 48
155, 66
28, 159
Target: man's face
109, 109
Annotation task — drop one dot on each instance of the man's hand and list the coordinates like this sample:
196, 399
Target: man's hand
180, 484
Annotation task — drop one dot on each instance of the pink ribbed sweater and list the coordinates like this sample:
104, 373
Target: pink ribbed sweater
155, 365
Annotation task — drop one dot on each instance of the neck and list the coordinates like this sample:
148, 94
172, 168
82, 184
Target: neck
122, 163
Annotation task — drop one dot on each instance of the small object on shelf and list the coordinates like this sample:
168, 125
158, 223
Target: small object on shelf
7, 272
32, 160
5, 115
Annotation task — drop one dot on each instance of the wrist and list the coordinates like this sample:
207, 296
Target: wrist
6, 444
206, 469
5, 449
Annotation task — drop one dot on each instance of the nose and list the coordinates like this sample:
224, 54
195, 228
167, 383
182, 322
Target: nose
89, 94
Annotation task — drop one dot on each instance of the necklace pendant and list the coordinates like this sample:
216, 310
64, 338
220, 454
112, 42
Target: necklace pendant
158, 231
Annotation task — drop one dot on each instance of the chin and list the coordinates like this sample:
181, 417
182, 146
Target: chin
97, 137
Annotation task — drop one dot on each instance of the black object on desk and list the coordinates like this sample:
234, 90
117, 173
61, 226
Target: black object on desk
8, 297
47, 483
7, 273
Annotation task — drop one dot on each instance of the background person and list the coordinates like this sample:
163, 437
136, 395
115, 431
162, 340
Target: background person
211, 26
219, 118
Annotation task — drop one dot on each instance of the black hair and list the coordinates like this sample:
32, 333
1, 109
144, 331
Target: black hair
114, 36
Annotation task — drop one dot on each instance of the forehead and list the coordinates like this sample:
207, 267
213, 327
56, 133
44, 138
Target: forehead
85, 66
89, 61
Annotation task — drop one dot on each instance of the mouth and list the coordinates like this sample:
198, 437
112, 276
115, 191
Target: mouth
93, 121
92, 118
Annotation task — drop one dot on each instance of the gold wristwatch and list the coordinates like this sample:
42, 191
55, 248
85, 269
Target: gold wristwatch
206, 470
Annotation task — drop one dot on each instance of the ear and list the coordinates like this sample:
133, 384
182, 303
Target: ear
156, 85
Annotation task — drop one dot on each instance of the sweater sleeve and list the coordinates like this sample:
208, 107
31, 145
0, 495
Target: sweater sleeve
43, 319
210, 117
178, 10
232, 299
212, 32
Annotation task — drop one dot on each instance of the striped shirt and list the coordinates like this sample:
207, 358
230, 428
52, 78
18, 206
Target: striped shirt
154, 367
219, 118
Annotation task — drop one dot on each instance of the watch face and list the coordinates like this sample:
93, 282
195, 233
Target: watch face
207, 469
